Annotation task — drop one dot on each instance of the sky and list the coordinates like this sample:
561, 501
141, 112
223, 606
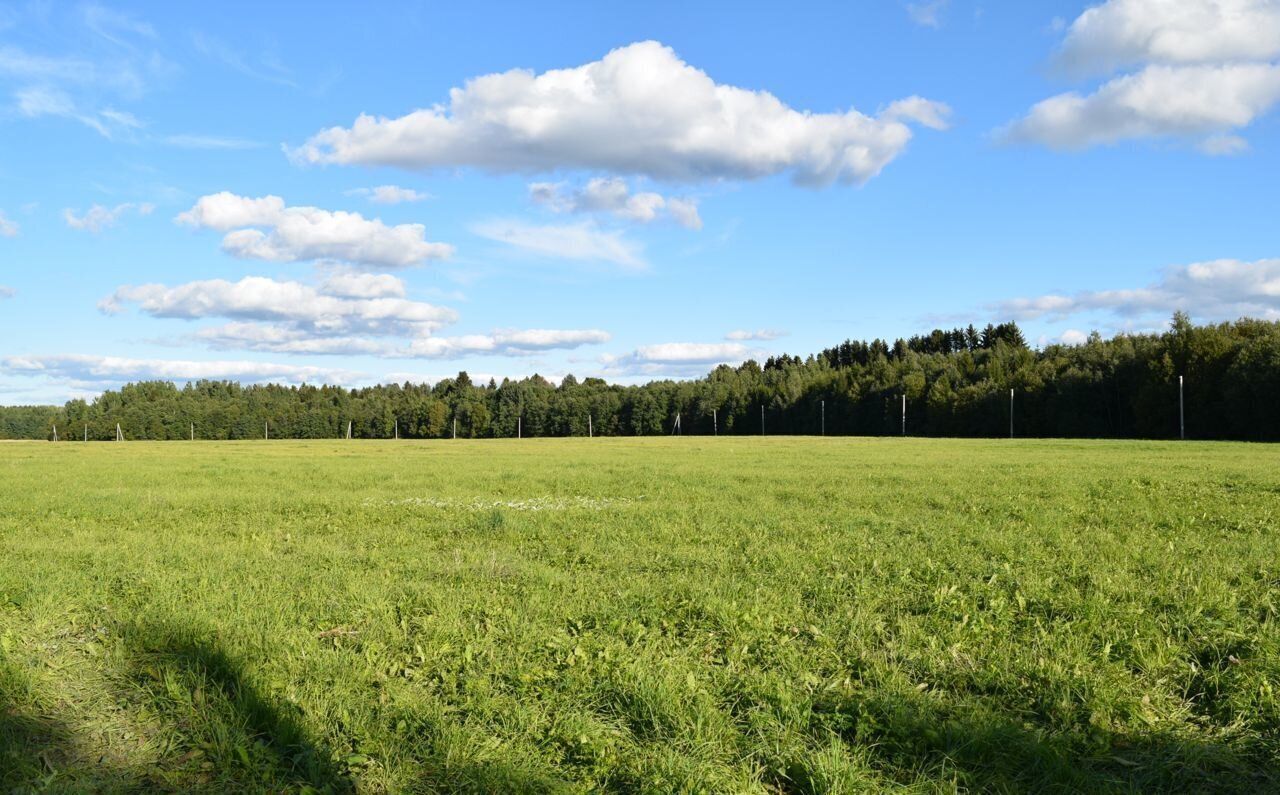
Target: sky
365, 193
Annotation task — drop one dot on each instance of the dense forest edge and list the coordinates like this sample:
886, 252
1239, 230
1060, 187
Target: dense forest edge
956, 383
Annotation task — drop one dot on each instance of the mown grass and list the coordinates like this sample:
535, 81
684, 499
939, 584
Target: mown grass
668, 615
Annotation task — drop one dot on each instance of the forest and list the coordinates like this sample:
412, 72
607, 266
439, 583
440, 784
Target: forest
955, 383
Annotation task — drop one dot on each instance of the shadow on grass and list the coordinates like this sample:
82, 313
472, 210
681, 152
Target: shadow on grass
916, 738
221, 734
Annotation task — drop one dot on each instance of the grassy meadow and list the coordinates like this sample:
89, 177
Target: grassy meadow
732, 615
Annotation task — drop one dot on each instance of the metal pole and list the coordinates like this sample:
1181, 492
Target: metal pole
589, 430
519, 427
193, 431
715, 424
1182, 417
904, 414
1010, 413
265, 435
762, 419
455, 427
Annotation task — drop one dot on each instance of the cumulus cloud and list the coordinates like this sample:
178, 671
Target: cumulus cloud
8, 228
677, 359
349, 313
1203, 68
301, 307
582, 241
350, 284
758, 334
97, 217
611, 195
1217, 290
1185, 101
264, 228
1122, 33
389, 194
1073, 337
639, 110
505, 343
106, 371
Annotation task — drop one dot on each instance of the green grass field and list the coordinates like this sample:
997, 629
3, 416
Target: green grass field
659, 615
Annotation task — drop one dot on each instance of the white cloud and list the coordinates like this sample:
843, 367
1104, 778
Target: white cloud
1073, 337
208, 142
8, 228
348, 284
97, 217
505, 343
927, 14
758, 334
677, 359
639, 110
266, 68
1121, 33
389, 194
583, 241
298, 306
1186, 101
1202, 69
309, 233
1223, 289
611, 195
111, 124
7, 292
1223, 145
113, 370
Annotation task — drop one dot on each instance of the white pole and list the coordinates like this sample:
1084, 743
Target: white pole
589, 430
55, 433
119, 433
824, 418
193, 431
519, 427
1010, 412
455, 427
904, 414
1182, 417
348, 429
397, 421
762, 419
86, 431
265, 432
715, 423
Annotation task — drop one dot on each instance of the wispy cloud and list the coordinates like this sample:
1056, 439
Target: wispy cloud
584, 241
98, 217
266, 67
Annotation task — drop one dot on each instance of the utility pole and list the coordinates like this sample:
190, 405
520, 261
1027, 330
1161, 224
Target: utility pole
1182, 416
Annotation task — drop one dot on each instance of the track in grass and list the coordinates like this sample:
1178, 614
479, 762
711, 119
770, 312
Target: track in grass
656, 615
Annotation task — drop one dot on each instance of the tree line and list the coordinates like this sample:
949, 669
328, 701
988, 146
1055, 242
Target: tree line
956, 383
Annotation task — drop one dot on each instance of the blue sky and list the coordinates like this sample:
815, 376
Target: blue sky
379, 192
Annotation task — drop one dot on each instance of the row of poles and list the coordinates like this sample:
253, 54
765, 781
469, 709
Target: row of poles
676, 428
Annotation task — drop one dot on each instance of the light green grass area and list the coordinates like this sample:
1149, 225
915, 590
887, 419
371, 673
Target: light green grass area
659, 615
